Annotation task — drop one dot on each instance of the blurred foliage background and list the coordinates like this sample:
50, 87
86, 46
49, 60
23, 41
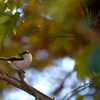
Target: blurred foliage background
52, 30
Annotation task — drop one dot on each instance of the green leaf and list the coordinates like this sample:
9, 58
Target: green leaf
3, 8
88, 64
15, 19
93, 62
4, 19
10, 5
3, 30
1, 1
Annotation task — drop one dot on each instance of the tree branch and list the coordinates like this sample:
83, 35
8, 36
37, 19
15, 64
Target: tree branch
23, 85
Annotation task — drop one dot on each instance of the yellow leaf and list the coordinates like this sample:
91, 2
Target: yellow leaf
14, 30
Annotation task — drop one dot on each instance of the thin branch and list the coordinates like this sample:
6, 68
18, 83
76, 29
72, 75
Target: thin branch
23, 85
77, 90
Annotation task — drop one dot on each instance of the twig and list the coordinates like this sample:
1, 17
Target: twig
18, 83
77, 90
21, 75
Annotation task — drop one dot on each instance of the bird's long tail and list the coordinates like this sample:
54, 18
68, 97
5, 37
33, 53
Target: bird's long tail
3, 58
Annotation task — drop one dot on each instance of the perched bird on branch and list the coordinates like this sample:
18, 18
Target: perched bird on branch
20, 61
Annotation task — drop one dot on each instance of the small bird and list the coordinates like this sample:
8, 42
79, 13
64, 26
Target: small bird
20, 61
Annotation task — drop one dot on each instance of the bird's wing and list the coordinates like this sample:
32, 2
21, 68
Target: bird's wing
14, 59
